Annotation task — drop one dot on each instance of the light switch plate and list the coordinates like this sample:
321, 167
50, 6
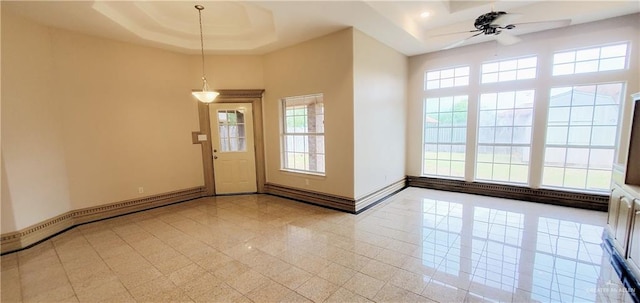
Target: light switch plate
202, 138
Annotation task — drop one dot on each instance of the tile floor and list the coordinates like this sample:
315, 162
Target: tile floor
417, 246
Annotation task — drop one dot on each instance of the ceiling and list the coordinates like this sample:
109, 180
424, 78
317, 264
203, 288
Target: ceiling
258, 27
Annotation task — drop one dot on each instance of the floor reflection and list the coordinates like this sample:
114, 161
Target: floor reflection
502, 252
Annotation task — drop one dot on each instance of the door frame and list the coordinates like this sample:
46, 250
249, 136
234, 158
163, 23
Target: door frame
253, 96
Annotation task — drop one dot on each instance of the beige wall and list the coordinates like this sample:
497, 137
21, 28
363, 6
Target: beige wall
229, 71
322, 65
34, 173
380, 77
608, 31
87, 121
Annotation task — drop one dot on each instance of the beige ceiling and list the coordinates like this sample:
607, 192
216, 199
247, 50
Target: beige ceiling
257, 27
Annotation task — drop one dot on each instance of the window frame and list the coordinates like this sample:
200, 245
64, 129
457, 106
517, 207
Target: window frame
451, 143
285, 133
510, 144
453, 77
516, 69
575, 61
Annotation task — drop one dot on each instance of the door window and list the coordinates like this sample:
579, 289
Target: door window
231, 127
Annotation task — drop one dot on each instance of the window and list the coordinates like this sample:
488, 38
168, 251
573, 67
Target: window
504, 136
447, 78
508, 70
596, 59
492, 122
445, 136
231, 128
581, 136
303, 134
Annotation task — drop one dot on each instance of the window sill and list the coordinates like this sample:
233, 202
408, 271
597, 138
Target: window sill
303, 173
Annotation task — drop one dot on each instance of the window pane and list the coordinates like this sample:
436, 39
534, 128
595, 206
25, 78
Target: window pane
457, 152
430, 135
462, 71
519, 173
603, 136
461, 81
446, 104
504, 134
564, 57
612, 63
444, 152
557, 135
555, 156
431, 105
553, 176
446, 82
444, 135
575, 178
486, 134
579, 135
588, 54
487, 118
587, 66
522, 135
601, 158
484, 171
490, 78
614, 51
563, 69
529, 73
577, 157
433, 84
447, 73
599, 179
507, 76
488, 101
508, 65
559, 115
459, 135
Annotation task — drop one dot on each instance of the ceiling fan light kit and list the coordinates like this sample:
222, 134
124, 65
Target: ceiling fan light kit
206, 95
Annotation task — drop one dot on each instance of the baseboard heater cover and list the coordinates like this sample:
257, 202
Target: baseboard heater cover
547, 196
34, 234
345, 204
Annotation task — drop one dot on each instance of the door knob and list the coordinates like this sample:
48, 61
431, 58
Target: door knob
215, 157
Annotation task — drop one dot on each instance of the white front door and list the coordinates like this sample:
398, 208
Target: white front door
234, 164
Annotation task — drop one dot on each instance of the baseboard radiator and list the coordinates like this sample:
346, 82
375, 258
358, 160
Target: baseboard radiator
31, 235
547, 196
349, 205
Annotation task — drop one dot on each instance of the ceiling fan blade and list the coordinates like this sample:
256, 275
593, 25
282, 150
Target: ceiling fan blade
461, 41
507, 39
456, 33
506, 19
550, 23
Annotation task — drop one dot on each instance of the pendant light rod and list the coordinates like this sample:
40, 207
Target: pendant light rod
206, 95
200, 8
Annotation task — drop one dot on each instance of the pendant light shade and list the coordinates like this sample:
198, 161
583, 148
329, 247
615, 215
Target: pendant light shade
206, 95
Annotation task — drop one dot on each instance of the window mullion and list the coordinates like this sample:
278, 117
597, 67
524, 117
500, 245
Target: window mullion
540, 116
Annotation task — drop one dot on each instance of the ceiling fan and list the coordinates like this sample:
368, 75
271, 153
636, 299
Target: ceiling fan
496, 23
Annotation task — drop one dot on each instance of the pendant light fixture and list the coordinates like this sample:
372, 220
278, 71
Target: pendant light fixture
206, 95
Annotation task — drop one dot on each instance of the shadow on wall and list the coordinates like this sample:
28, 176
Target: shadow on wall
6, 206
